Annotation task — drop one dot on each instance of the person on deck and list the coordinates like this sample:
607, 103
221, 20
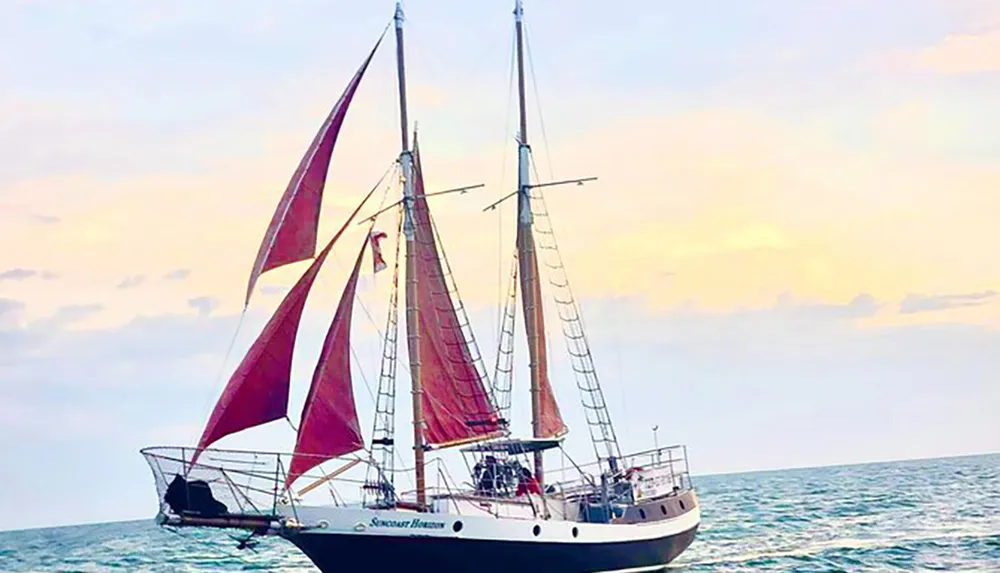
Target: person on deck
487, 476
528, 484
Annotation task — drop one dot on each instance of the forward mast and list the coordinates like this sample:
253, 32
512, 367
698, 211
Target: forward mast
412, 304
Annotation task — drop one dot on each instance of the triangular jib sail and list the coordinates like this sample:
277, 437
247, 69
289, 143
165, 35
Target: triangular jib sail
329, 427
257, 392
291, 235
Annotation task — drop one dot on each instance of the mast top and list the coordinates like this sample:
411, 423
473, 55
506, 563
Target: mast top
399, 14
523, 123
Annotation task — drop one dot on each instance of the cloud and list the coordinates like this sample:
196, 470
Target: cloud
916, 303
20, 213
131, 282
91, 398
17, 274
46, 219
204, 305
72, 313
801, 364
20, 274
10, 310
757, 205
862, 306
46, 351
21, 336
177, 275
962, 54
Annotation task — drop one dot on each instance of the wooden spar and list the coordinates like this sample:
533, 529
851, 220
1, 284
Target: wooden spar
329, 477
519, 23
412, 310
526, 250
253, 522
462, 190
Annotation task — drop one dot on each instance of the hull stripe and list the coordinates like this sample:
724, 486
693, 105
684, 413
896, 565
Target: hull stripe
341, 552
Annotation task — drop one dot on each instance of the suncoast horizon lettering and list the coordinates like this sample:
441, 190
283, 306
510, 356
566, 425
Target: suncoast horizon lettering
407, 523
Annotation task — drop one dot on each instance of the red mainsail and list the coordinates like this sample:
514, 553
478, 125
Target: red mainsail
550, 422
291, 235
456, 405
257, 392
329, 426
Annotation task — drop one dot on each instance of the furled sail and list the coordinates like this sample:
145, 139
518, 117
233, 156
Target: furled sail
257, 392
457, 407
329, 426
548, 420
291, 235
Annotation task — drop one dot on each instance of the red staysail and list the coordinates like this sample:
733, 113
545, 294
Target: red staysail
329, 426
550, 422
456, 405
257, 392
291, 236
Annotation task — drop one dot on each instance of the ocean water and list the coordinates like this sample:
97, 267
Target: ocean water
928, 515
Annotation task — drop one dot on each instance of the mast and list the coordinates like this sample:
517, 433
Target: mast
412, 309
533, 321
546, 419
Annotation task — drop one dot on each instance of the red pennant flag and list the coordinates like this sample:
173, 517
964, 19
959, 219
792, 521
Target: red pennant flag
379, 262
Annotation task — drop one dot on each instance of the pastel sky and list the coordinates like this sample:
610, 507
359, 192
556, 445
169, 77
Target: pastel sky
790, 256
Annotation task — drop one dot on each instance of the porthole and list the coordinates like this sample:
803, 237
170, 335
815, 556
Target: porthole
663, 508
642, 513
682, 504
576, 532
537, 530
457, 526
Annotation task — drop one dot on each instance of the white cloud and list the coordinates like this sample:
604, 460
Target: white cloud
204, 305
916, 303
177, 275
131, 282
17, 274
793, 383
962, 54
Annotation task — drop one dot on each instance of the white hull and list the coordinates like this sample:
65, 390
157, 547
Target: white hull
342, 539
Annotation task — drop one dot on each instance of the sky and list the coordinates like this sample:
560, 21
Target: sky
789, 257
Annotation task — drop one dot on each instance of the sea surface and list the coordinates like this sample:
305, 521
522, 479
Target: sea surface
928, 515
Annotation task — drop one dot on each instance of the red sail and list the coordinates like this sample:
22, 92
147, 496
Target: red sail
329, 426
456, 405
291, 236
257, 392
550, 422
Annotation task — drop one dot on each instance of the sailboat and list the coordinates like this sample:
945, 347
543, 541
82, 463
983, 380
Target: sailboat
633, 512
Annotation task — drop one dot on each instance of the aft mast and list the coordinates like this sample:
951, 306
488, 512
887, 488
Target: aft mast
545, 418
547, 421
409, 229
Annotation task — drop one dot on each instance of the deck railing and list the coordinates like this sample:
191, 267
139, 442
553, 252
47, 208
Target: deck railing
252, 485
244, 483
668, 463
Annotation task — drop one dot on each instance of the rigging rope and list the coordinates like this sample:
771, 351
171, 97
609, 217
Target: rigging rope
222, 367
538, 104
503, 178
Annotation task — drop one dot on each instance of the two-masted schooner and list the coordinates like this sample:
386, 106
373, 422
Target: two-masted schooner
619, 512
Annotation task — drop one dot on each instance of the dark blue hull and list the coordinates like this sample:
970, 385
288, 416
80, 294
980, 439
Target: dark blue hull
333, 553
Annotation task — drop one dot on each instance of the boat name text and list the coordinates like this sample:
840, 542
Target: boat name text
407, 523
